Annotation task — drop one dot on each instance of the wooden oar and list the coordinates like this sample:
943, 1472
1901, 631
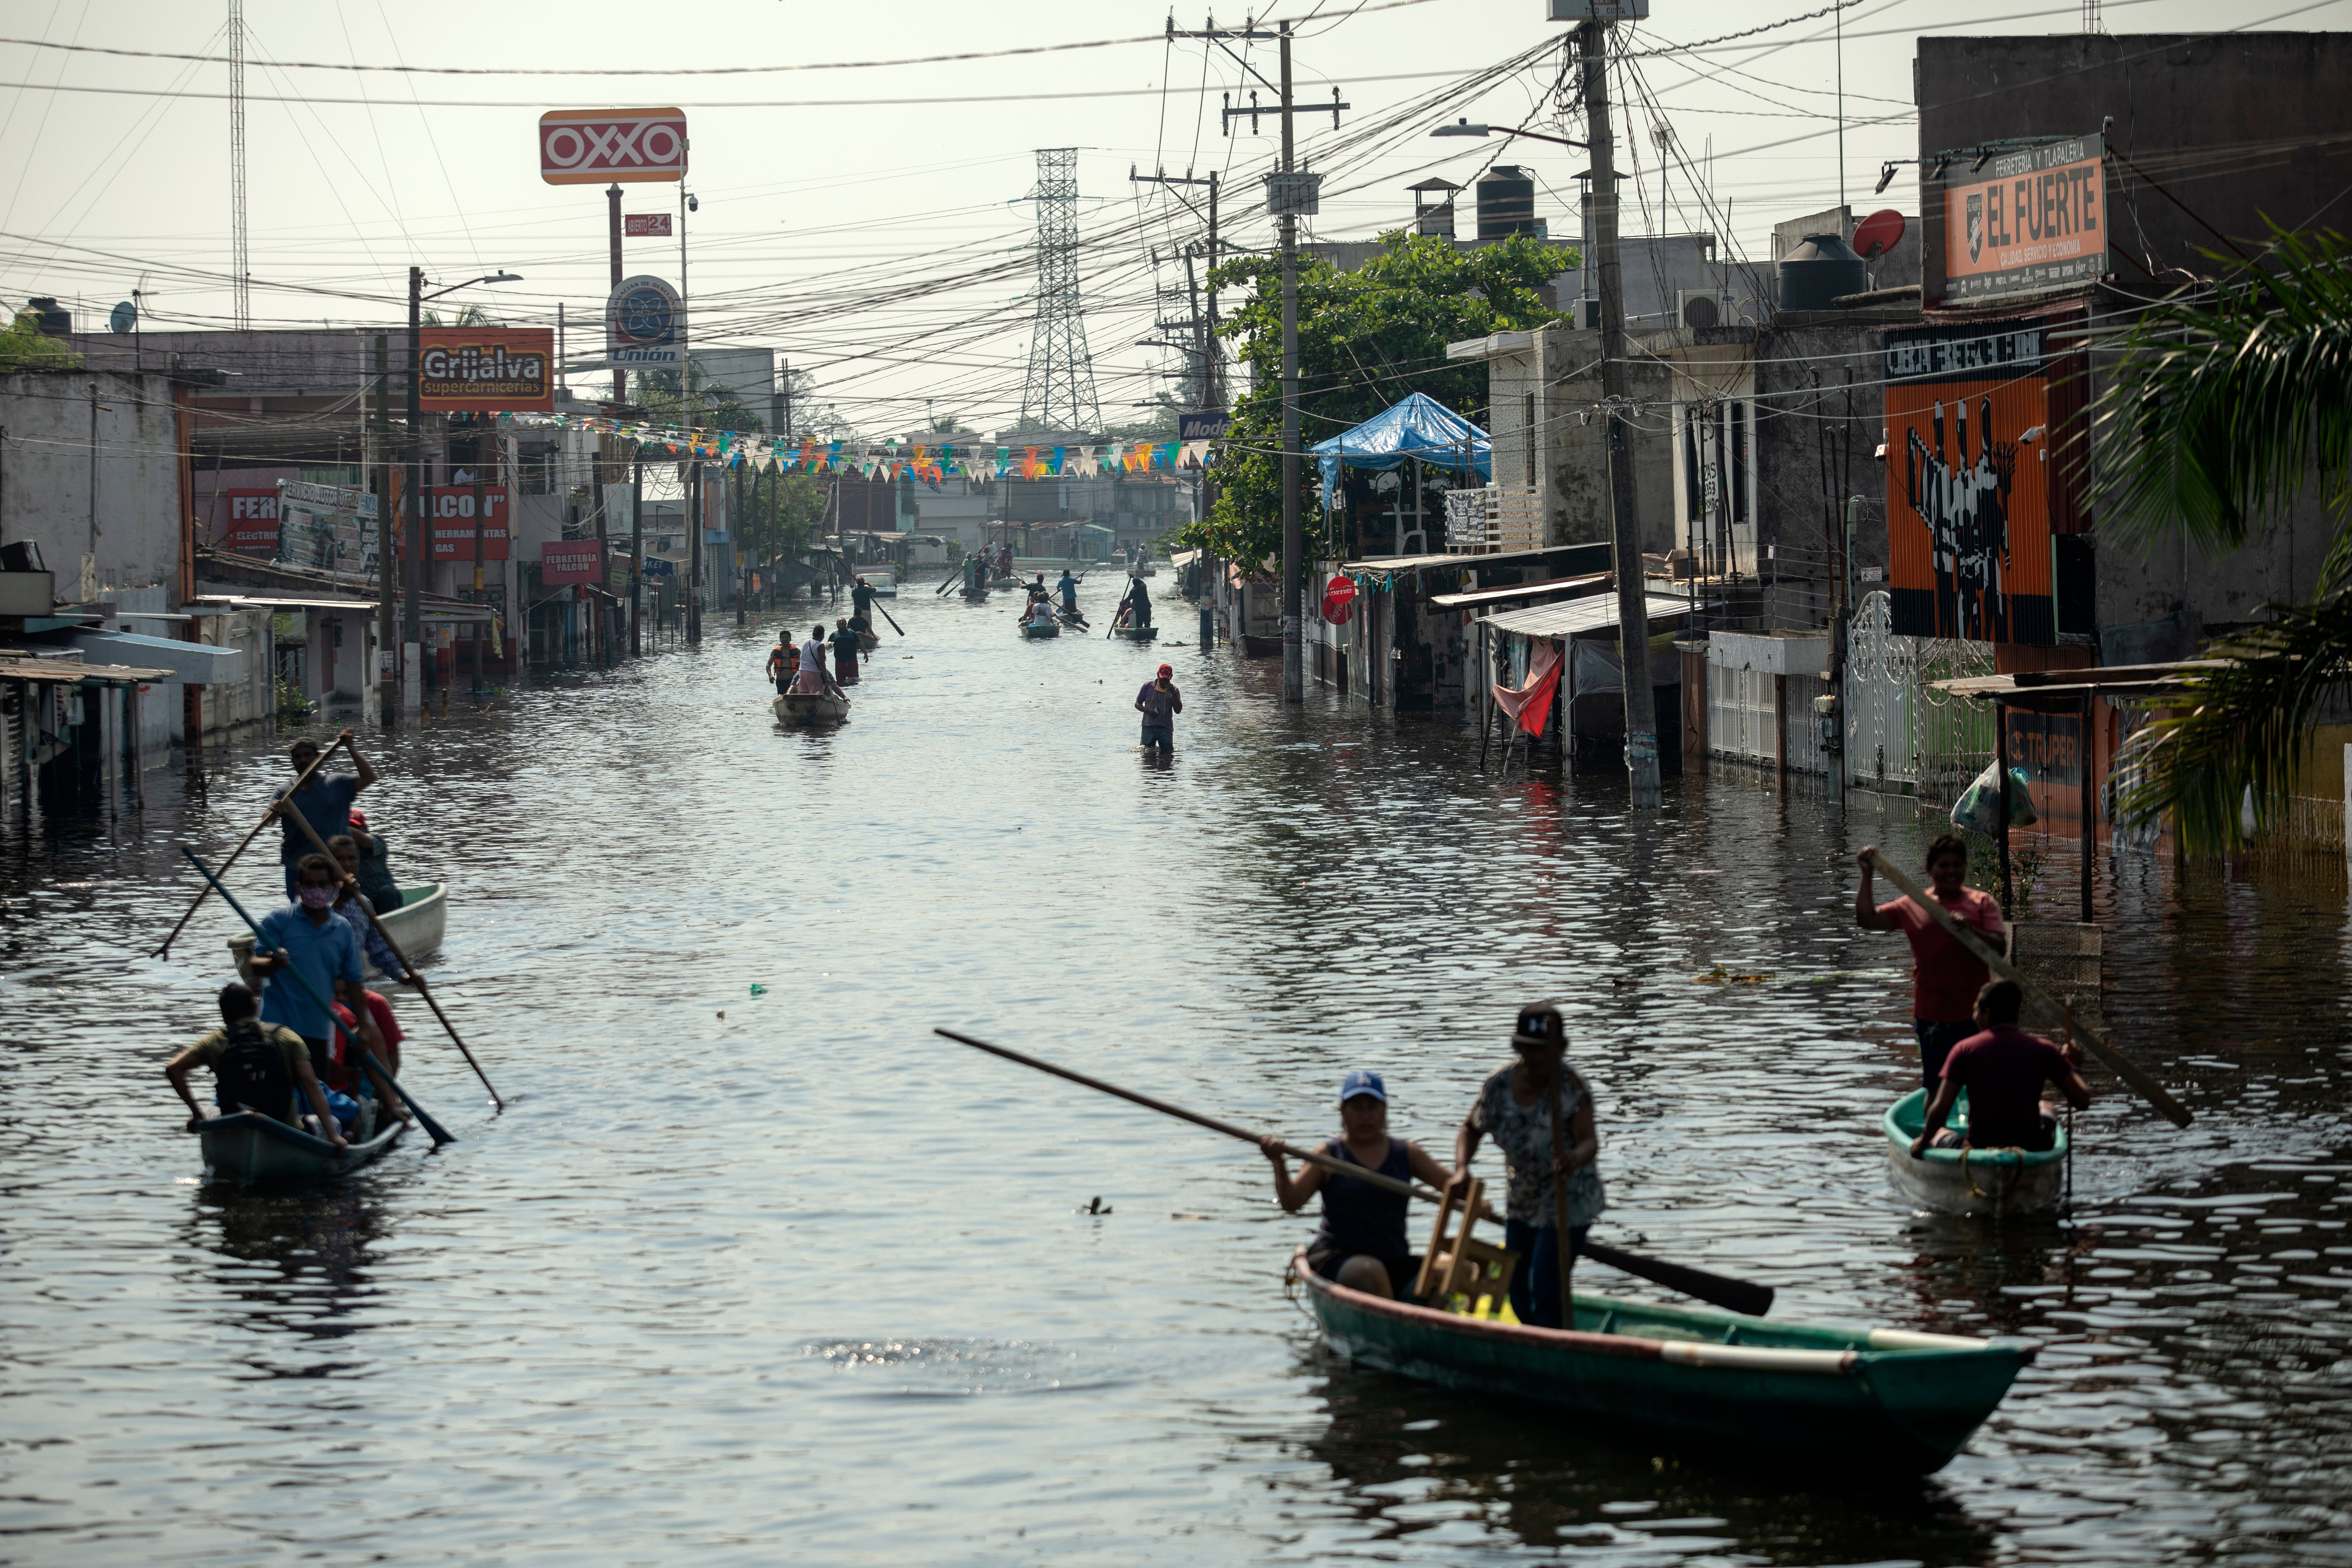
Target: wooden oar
891, 619
2053, 1013
439, 1134
1732, 1295
266, 817
423, 989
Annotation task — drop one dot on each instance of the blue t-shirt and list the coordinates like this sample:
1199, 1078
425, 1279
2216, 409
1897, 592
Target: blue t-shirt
327, 806
325, 954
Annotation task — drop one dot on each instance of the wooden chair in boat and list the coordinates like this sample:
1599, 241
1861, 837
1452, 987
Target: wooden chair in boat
1455, 1264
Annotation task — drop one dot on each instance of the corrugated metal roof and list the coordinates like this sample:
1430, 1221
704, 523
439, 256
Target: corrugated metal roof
1478, 596
1590, 613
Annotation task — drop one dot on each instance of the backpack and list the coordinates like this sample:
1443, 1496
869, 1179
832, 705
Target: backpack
252, 1072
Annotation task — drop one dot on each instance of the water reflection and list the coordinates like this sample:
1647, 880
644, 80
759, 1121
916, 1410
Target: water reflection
1412, 1461
300, 1261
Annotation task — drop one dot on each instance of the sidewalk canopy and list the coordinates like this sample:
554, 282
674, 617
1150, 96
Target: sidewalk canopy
1419, 426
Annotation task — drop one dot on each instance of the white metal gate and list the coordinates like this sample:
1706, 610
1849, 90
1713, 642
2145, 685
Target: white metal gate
1881, 672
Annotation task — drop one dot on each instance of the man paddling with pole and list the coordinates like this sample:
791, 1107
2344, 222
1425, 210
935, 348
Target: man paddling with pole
1540, 1113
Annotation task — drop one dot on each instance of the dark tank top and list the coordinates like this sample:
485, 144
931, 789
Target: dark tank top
1361, 1217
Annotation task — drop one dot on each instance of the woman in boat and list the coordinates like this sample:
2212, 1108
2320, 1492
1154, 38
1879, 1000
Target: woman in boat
1361, 1243
1514, 1109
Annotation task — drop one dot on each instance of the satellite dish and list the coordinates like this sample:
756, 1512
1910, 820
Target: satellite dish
124, 317
1879, 232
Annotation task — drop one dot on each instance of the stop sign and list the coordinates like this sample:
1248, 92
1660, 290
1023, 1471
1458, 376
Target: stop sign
1339, 599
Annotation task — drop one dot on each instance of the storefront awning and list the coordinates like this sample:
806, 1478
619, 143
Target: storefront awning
1594, 613
1480, 599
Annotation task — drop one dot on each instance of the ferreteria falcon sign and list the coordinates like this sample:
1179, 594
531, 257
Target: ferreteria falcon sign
2036, 218
611, 146
486, 368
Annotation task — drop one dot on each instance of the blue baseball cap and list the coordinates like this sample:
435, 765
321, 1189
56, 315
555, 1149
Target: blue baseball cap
1362, 1081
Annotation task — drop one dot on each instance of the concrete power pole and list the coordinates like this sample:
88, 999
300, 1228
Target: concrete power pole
1625, 524
1294, 672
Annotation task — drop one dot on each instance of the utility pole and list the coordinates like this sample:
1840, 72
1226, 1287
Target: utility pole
1202, 329
1625, 524
387, 630
694, 468
412, 651
1289, 196
613, 212
636, 548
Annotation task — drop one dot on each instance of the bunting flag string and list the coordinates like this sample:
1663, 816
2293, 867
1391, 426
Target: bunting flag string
764, 454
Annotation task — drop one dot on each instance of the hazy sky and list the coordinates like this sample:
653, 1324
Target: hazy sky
868, 222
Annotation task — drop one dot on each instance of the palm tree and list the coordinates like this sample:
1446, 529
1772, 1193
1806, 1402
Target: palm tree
2228, 404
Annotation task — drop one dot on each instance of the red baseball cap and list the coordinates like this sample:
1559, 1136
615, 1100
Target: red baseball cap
1167, 669
359, 819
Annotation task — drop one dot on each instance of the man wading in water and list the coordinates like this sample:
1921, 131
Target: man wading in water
1160, 702
1946, 976
1361, 1243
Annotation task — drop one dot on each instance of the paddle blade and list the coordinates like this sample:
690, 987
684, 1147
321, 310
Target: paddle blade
1714, 1290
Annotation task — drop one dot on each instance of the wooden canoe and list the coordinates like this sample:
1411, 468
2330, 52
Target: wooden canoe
1033, 630
806, 709
1139, 633
418, 926
974, 594
1832, 1400
1004, 582
1982, 1184
249, 1147
867, 642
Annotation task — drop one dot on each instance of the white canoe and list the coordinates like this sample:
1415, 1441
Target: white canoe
800, 709
417, 927
1982, 1183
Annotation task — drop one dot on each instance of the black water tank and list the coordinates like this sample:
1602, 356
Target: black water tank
1506, 203
1821, 267
53, 322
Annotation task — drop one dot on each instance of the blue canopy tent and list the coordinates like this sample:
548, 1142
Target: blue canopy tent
1419, 427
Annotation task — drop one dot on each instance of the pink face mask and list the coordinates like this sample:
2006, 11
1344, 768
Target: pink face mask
315, 898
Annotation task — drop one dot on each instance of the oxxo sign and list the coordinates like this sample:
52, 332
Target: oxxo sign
608, 147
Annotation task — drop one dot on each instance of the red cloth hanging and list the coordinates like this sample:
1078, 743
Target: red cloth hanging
1531, 704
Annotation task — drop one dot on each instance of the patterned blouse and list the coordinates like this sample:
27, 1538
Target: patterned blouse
1523, 1133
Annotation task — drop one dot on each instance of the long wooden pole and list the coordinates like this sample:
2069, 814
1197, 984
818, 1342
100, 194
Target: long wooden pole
300, 780
1733, 1295
440, 1135
2052, 1013
1559, 1194
422, 988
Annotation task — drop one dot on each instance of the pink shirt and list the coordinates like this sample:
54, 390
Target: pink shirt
1946, 976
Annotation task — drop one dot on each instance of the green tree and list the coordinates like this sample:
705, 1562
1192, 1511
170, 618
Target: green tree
2228, 404
22, 347
1366, 339
780, 513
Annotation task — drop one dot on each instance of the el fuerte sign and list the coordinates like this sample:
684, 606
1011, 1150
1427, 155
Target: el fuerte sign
2031, 219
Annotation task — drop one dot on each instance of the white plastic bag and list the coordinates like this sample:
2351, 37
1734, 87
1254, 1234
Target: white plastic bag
1979, 811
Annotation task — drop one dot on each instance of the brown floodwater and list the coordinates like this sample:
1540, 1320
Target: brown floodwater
787, 1277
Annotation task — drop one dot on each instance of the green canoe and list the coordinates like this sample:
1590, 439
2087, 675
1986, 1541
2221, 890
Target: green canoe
1887, 1401
1980, 1184
1034, 629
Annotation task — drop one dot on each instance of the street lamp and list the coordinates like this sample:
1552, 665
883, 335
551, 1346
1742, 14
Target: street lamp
412, 631
1465, 128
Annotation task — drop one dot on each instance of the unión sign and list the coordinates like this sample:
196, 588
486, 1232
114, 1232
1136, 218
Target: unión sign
2034, 218
608, 147
644, 323
486, 368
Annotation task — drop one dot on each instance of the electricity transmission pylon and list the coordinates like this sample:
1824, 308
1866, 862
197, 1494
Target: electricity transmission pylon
1060, 390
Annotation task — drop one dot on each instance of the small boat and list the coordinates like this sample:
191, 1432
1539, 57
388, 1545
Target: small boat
1139, 633
810, 709
975, 593
867, 642
1034, 629
1984, 1183
248, 1148
1885, 1401
417, 927
1146, 570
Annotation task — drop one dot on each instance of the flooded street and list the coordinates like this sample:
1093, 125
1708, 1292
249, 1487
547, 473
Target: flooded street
785, 1277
